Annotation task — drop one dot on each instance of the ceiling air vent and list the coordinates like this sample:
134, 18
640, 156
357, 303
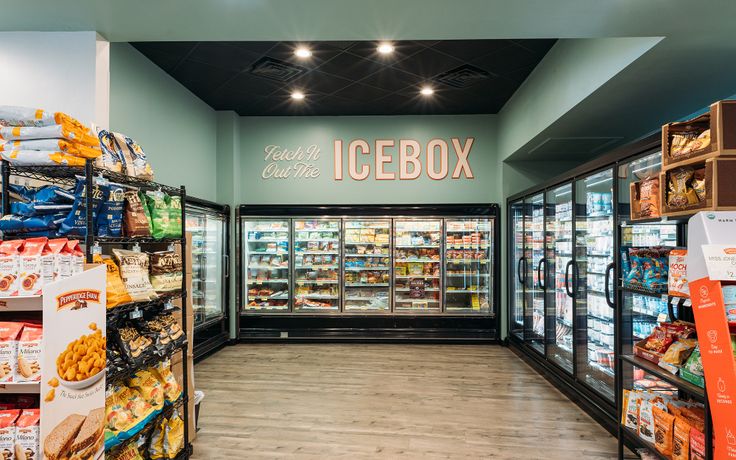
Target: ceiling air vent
275, 69
463, 76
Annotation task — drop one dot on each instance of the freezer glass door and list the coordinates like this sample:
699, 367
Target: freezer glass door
534, 288
468, 265
556, 271
516, 296
266, 267
367, 252
644, 298
594, 295
208, 238
317, 265
417, 246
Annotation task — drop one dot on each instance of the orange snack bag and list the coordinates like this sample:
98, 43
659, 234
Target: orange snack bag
663, 430
681, 439
116, 292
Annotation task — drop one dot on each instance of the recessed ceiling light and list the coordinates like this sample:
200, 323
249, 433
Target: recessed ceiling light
427, 91
385, 48
302, 52
297, 95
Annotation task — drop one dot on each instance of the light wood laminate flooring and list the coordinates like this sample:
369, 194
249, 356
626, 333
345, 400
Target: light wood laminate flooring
355, 401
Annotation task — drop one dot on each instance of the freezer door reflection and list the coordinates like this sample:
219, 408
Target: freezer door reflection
367, 245
468, 265
316, 265
417, 260
266, 267
208, 238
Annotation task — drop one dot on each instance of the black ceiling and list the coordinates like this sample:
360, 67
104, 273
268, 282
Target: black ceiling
351, 78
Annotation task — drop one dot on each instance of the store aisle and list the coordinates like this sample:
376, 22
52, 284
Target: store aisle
386, 401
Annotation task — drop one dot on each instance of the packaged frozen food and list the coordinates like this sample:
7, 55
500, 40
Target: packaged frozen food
9, 333
29, 360
116, 292
110, 216
134, 272
663, 430
135, 220
166, 271
27, 434
677, 275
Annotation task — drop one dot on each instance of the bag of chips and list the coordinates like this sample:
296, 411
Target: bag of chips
174, 204
135, 158
135, 222
159, 212
172, 389
110, 158
149, 387
649, 197
174, 437
116, 292
681, 439
11, 223
76, 222
110, 216
166, 271
663, 430
134, 273
134, 346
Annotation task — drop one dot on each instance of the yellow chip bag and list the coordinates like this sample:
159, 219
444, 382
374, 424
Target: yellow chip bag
149, 387
172, 389
174, 436
116, 292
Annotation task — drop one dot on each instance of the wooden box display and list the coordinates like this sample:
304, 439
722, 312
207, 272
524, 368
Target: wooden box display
720, 119
720, 188
642, 352
635, 210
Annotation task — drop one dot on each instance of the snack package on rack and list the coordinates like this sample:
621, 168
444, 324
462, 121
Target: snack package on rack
174, 205
135, 220
29, 360
134, 272
688, 142
134, 346
9, 263
40, 225
663, 430
676, 355
681, 439
52, 145
9, 333
649, 197
30, 267
127, 452
75, 256
110, 217
41, 158
159, 212
167, 439
149, 387
110, 159
116, 292
172, 389
27, 434
127, 412
76, 222
51, 266
8, 420
166, 271
58, 131
677, 275
134, 158
115, 361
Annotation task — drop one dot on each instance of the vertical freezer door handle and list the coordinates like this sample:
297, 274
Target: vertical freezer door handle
567, 278
226, 258
518, 271
607, 289
542, 280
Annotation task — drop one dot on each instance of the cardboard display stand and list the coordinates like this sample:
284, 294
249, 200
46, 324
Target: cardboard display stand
712, 260
73, 384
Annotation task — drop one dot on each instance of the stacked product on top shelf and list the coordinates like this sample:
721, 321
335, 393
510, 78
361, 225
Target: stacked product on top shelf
317, 264
110, 203
417, 264
367, 265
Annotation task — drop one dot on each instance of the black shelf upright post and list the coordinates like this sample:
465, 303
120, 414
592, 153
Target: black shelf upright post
185, 326
6, 189
89, 200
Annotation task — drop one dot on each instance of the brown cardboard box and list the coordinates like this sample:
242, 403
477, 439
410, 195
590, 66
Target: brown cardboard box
177, 248
177, 367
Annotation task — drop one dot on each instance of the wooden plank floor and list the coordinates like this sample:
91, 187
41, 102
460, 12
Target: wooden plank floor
355, 401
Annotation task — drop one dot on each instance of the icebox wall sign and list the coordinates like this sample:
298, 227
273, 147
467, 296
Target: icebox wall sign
383, 159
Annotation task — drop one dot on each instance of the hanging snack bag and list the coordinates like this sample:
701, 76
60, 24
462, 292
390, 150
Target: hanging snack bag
172, 389
9, 263
9, 332
30, 266
29, 354
135, 220
133, 345
134, 272
110, 216
116, 292
175, 229
166, 271
156, 446
663, 430
149, 387
174, 436
646, 419
7, 433
76, 221
159, 212
677, 275
27, 434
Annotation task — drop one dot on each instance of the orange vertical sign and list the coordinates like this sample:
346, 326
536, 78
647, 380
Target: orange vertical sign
718, 362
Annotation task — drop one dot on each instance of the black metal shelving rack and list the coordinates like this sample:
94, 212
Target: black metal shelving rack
67, 175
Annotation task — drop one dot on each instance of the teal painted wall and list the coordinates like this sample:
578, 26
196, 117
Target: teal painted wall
291, 132
176, 129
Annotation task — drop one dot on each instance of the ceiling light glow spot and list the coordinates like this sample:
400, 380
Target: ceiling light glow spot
426, 91
385, 48
297, 95
303, 52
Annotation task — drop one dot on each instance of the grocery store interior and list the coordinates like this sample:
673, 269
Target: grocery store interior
345, 229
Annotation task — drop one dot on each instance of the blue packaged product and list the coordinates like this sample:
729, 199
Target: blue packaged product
35, 209
19, 224
110, 216
76, 221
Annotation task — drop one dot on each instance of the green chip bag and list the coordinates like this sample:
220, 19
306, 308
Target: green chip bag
146, 211
159, 214
174, 203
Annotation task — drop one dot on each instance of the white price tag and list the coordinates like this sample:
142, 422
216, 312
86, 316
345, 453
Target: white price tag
662, 317
720, 259
136, 314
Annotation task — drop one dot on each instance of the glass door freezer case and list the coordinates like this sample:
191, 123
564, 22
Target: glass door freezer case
367, 271
209, 223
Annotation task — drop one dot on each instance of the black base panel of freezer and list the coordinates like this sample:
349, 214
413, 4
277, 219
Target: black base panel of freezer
209, 340
393, 328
